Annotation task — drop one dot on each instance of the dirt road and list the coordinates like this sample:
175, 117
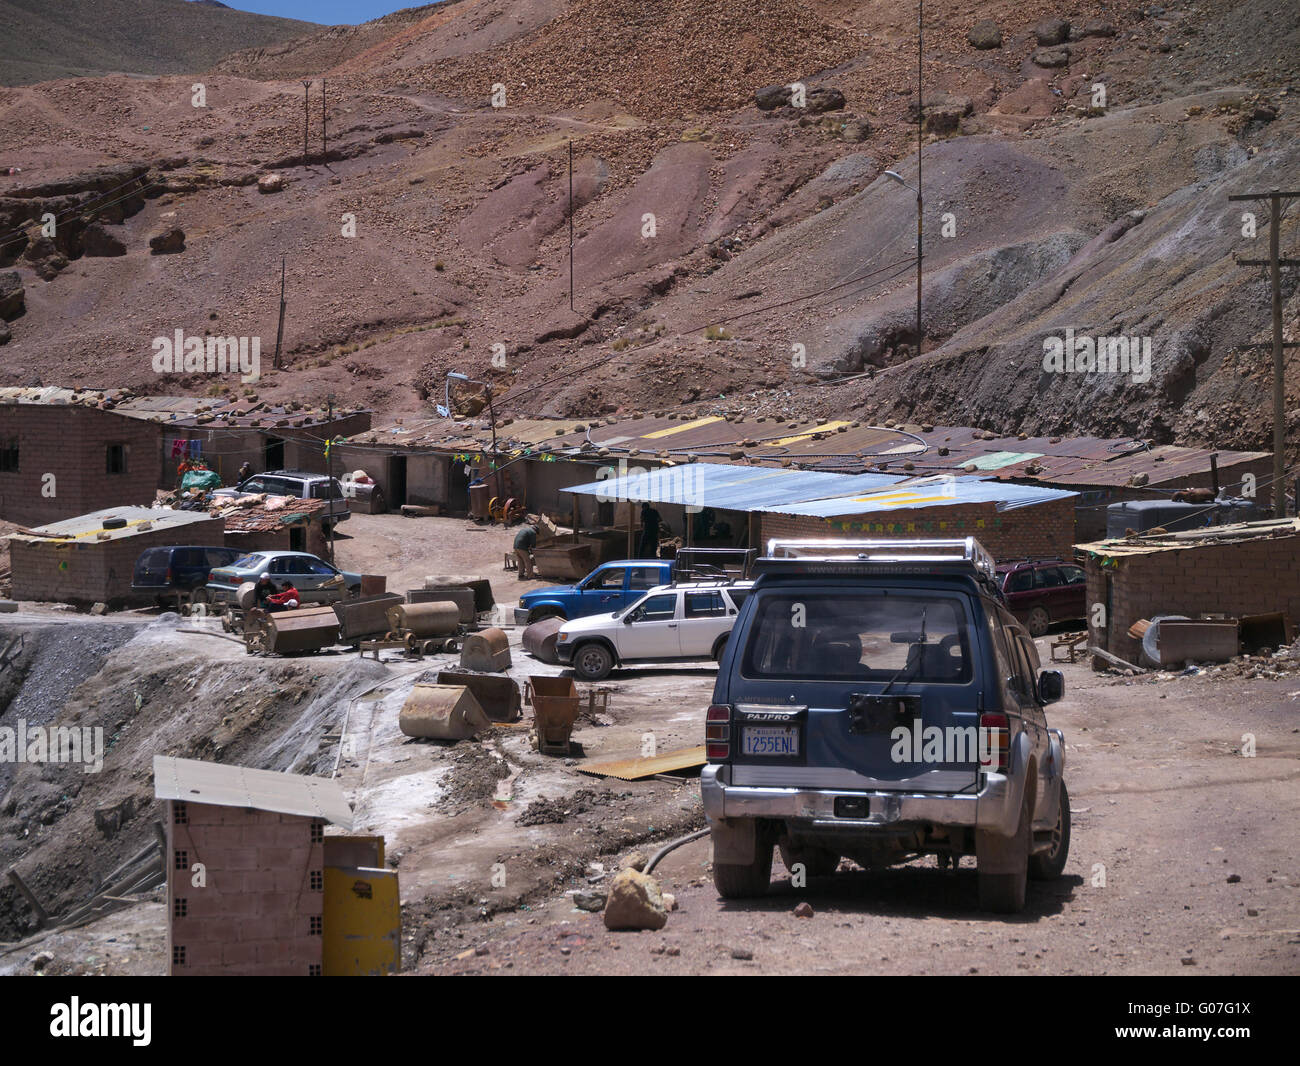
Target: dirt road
1183, 861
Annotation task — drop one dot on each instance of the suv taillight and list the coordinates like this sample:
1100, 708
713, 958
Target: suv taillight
995, 739
717, 731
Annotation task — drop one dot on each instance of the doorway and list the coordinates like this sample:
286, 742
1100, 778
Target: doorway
396, 480
273, 454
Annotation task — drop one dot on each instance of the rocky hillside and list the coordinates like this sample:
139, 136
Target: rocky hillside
40, 40
732, 251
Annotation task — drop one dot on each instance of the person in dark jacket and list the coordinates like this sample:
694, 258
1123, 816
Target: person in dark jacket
245, 472
650, 522
525, 542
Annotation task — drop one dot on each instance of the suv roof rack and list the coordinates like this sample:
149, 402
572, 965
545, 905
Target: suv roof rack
686, 568
966, 552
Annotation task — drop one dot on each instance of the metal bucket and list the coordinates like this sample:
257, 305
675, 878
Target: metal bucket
555, 709
498, 696
539, 639
366, 617
285, 632
438, 619
442, 712
487, 651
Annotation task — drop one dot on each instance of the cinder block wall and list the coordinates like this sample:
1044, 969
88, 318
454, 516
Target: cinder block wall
70, 443
1250, 577
1043, 529
93, 571
264, 886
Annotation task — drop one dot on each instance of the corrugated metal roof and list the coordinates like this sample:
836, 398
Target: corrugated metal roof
87, 527
632, 769
1191, 538
923, 493
736, 488
278, 511
194, 781
831, 445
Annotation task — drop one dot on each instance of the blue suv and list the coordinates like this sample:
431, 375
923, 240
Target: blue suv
876, 700
610, 587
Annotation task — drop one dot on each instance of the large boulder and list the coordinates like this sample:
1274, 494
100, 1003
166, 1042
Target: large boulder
635, 902
271, 183
824, 99
168, 242
99, 241
43, 254
12, 297
1052, 31
985, 35
770, 97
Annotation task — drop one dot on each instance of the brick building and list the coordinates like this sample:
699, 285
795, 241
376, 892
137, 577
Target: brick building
83, 561
1248, 569
257, 905
66, 457
291, 525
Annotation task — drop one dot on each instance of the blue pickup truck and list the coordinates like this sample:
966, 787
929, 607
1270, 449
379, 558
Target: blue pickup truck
610, 587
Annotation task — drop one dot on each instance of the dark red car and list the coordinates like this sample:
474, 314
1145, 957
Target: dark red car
1042, 591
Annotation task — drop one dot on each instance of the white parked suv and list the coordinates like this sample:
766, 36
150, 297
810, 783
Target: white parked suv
690, 620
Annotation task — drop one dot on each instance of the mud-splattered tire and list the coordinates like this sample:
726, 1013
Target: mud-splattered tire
1002, 889
744, 881
1049, 865
1037, 622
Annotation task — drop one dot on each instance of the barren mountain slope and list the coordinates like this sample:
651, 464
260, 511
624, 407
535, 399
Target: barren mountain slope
710, 236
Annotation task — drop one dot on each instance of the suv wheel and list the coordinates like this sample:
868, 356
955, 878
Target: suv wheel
592, 662
817, 862
734, 881
1037, 622
1002, 865
719, 646
1049, 865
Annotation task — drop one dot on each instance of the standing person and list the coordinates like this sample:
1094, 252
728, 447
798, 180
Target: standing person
245, 472
649, 545
525, 542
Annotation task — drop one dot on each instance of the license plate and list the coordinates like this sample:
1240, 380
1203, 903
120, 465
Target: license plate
770, 740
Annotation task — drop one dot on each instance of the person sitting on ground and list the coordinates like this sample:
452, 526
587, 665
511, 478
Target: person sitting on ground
263, 590
525, 542
284, 600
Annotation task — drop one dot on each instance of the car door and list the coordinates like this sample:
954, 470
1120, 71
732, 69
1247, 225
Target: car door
1074, 598
605, 590
1032, 711
706, 616
653, 631
1055, 593
1019, 592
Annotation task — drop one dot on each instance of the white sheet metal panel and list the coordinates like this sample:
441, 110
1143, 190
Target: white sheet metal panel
195, 781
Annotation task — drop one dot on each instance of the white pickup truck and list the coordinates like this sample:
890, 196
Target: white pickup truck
689, 620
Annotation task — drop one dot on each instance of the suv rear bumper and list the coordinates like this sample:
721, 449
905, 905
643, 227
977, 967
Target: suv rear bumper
995, 808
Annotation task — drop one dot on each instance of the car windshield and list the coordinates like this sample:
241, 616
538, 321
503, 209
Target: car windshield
866, 637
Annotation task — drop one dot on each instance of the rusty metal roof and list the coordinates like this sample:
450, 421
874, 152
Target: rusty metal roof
831, 444
1192, 538
632, 769
195, 781
276, 513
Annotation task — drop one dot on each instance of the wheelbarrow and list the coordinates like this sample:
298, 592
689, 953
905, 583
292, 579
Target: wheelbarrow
555, 708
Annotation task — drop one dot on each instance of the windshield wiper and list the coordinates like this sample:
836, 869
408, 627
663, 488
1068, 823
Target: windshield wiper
908, 667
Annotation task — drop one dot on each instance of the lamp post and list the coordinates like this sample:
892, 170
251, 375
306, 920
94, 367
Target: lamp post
894, 176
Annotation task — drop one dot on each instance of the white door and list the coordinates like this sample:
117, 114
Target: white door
706, 616
653, 631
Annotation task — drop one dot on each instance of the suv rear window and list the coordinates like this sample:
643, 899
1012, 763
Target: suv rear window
867, 637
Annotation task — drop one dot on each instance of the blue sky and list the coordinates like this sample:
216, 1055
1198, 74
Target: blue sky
328, 12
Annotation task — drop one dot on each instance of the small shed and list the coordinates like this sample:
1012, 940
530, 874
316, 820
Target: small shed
278, 523
250, 875
91, 558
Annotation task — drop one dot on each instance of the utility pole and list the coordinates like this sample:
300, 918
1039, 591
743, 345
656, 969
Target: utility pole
279, 330
306, 91
453, 375
1275, 262
570, 223
324, 118
920, 123
329, 470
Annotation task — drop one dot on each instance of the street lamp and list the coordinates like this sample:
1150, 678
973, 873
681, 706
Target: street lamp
492, 415
895, 176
